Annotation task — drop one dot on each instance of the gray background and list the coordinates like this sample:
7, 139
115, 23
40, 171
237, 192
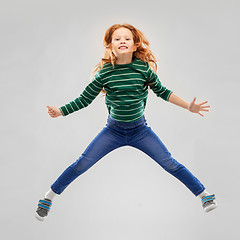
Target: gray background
48, 52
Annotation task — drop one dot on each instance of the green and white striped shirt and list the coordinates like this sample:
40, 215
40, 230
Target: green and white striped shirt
126, 90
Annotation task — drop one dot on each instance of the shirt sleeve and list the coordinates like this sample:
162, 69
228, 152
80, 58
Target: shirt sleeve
86, 97
156, 86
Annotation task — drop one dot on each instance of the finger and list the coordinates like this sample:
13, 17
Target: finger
50, 108
203, 103
205, 106
205, 110
201, 114
194, 99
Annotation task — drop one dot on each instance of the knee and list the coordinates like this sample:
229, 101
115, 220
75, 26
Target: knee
82, 164
170, 164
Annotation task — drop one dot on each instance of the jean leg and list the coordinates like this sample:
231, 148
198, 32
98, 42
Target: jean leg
148, 142
106, 141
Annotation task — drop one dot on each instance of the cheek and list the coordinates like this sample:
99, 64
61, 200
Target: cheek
114, 46
131, 47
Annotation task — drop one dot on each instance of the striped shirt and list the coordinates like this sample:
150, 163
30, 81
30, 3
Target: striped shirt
126, 90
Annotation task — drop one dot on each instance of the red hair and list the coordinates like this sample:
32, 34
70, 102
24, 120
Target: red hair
143, 51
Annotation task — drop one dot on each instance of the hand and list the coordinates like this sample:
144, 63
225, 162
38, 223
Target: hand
196, 108
54, 111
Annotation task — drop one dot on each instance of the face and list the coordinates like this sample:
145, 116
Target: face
122, 42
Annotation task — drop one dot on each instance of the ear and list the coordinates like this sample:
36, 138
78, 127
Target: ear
108, 46
136, 46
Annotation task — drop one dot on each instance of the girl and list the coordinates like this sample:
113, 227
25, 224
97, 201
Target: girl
125, 73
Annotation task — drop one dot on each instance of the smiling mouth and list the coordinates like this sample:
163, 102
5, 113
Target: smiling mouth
123, 47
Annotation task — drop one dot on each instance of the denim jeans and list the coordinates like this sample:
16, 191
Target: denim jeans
135, 134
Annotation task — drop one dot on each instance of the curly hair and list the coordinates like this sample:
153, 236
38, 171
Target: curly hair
143, 51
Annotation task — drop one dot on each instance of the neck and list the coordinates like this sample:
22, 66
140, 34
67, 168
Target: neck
124, 59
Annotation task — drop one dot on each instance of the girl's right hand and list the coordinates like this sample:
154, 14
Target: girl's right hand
54, 111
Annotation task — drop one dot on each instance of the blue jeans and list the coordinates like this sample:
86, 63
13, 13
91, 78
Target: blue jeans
136, 134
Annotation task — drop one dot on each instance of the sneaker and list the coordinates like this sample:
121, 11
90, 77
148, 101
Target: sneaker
43, 209
209, 203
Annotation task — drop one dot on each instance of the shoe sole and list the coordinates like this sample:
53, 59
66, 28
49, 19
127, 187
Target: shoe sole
210, 208
39, 217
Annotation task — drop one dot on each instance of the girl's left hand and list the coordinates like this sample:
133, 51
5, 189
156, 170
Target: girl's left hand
196, 108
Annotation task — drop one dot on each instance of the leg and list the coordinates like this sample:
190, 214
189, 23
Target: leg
148, 142
105, 142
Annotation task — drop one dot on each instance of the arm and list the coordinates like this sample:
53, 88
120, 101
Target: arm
192, 106
156, 86
86, 97
168, 95
178, 101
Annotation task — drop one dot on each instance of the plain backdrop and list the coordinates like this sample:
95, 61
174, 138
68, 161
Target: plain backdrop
48, 50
